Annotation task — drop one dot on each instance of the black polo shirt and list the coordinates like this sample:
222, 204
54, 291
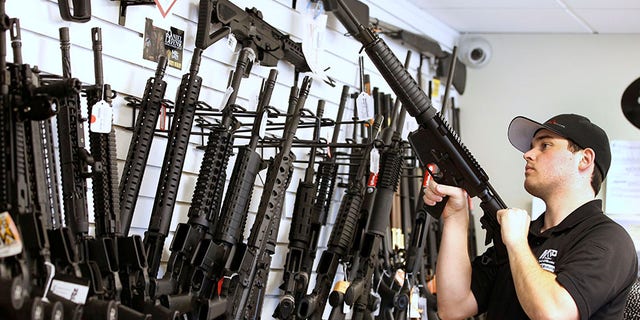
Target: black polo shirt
593, 257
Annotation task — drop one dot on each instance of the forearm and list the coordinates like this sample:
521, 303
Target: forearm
540, 295
453, 271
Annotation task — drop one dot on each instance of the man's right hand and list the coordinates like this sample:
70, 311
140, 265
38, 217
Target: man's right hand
457, 199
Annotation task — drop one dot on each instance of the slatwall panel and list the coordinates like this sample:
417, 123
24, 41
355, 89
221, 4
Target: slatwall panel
127, 73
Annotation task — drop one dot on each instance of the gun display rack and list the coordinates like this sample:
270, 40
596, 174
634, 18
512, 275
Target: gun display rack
212, 272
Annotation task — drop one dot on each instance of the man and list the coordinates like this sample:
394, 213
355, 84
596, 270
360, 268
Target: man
573, 262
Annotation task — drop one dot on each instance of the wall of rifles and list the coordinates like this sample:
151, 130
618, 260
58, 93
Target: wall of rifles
171, 212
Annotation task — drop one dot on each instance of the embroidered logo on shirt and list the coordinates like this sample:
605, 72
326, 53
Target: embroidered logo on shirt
547, 260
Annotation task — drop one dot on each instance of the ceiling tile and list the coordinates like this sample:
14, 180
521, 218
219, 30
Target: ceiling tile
611, 20
439, 4
603, 4
508, 20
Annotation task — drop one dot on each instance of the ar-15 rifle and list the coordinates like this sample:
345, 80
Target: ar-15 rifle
208, 193
269, 44
166, 192
247, 288
434, 141
342, 235
26, 265
140, 145
300, 236
212, 253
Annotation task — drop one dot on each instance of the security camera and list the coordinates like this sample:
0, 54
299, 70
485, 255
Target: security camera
474, 51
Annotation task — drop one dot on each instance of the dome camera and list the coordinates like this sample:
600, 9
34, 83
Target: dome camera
474, 51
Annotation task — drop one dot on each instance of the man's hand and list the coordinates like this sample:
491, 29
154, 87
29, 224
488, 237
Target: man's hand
514, 226
457, 198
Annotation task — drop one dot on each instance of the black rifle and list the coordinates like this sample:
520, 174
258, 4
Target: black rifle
140, 145
208, 193
212, 253
26, 268
300, 234
358, 293
247, 288
102, 250
342, 235
326, 178
434, 141
324, 186
170, 174
186, 100
269, 44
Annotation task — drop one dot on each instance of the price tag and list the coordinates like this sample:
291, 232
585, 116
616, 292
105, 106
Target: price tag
364, 103
101, 117
263, 124
374, 161
414, 303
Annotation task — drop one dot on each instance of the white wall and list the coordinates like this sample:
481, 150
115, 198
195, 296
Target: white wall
127, 73
540, 76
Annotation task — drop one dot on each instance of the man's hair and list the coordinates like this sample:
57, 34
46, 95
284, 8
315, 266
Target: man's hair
596, 177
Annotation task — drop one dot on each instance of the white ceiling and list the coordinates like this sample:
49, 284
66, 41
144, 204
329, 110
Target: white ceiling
536, 16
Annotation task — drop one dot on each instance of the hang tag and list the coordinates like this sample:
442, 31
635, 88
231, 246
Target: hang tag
422, 307
10, 242
399, 276
225, 98
231, 42
341, 286
414, 303
101, 117
374, 161
263, 124
364, 103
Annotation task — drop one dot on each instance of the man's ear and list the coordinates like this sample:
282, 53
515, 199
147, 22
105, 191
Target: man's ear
588, 159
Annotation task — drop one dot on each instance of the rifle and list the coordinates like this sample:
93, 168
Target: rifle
300, 236
26, 264
140, 145
249, 28
166, 192
214, 252
247, 288
324, 186
342, 235
208, 193
326, 177
358, 294
434, 141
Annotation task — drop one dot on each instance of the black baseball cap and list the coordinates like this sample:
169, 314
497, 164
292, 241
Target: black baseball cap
571, 126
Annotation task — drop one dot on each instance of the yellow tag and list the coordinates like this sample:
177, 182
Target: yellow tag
10, 242
341, 286
435, 90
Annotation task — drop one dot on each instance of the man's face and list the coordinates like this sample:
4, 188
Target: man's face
550, 165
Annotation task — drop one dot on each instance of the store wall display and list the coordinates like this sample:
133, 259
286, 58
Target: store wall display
179, 226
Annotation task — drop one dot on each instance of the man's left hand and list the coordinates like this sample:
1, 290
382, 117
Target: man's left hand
514, 225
